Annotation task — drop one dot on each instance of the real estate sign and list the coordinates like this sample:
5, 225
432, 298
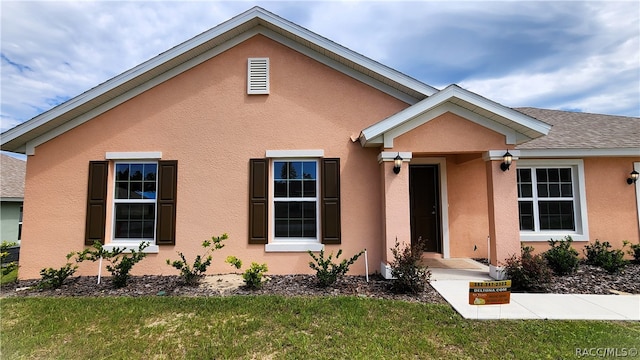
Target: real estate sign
489, 292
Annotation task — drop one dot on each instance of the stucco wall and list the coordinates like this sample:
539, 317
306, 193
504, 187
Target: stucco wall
204, 119
611, 203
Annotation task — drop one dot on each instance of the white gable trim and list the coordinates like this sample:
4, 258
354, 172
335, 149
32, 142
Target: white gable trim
522, 127
578, 153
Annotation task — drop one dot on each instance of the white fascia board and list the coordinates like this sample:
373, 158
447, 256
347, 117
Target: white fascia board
404, 97
450, 92
578, 153
11, 199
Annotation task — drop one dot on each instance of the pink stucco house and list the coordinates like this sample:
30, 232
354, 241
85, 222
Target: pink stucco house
290, 142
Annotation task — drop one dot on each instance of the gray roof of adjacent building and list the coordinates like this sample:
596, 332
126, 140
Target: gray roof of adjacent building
12, 173
577, 130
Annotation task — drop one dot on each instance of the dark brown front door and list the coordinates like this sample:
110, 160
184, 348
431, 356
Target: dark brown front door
424, 193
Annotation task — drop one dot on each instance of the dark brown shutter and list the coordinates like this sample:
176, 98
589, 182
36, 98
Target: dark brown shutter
167, 191
330, 213
258, 185
96, 202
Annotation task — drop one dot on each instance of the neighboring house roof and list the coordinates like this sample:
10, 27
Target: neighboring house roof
12, 172
584, 134
517, 127
24, 137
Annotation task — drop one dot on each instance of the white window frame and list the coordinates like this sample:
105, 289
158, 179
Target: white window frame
581, 232
132, 243
293, 244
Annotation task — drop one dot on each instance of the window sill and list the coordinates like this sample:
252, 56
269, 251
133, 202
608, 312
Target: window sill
128, 246
544, 237
293, 247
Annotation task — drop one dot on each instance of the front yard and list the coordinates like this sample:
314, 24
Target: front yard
259, 327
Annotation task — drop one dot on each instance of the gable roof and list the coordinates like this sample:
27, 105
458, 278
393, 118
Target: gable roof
584, 134
24, 137
12, 173
516, 126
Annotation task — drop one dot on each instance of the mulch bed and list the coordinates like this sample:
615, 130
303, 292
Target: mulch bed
587, 280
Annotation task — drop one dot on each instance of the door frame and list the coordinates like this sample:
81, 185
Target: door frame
441, 162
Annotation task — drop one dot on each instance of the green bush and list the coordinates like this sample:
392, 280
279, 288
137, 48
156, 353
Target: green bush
528, 272
602, 255
120, 260
328, 272
562, 258
252, 276
410, 276
634, 251
191, 274
6, 267
54, 278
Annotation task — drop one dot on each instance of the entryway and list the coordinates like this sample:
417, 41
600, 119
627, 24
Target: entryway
424, 195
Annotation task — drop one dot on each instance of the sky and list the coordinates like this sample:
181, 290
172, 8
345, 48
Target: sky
572, 55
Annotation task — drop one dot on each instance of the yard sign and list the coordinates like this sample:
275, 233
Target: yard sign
489, 292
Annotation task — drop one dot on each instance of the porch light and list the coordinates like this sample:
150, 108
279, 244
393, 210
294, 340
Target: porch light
633, 178
397, 163
506, 161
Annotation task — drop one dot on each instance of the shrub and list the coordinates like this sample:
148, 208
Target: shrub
191, 274
328, 272
600, 254
120, 260
562, 258
528, 272
54, 278
410, 275
6, 267
634, 251
252, 276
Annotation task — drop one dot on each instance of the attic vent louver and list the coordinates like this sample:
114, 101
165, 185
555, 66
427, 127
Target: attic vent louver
258, 76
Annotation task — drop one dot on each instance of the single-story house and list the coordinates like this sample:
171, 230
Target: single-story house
12, 173
290, 142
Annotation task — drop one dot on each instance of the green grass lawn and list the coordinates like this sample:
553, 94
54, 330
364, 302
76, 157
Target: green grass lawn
275, 327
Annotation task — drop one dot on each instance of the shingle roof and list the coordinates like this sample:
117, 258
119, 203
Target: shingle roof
12, 173
575, 130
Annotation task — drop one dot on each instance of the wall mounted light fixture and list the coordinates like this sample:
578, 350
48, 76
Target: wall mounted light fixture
634, 177
397, 163
506, 161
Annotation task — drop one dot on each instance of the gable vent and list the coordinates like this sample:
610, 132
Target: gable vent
258, 76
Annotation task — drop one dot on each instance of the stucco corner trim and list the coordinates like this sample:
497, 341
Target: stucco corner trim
295, 153
133, 155
391, 156
293, 247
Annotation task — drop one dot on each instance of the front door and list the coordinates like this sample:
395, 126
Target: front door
424, 194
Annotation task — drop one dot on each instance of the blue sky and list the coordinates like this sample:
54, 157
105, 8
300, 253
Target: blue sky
578, 56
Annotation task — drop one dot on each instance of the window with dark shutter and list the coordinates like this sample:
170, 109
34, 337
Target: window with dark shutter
258, 180
96, 202
167, 193
330, 208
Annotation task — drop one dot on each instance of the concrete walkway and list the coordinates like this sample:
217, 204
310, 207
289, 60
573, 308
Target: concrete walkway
453, 285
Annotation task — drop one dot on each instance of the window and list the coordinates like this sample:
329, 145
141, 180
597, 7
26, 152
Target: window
20, 224
295, 189
135, 201
549, 199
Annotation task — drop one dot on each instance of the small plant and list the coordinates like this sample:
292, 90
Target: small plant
562, 258
191, 275
409, 273
328, 272
120, 260
252, 276
54, 278
6, 267
528, 272
634, 250
600, 254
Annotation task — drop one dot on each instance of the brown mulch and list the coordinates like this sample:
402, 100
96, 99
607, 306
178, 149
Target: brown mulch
587, 280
